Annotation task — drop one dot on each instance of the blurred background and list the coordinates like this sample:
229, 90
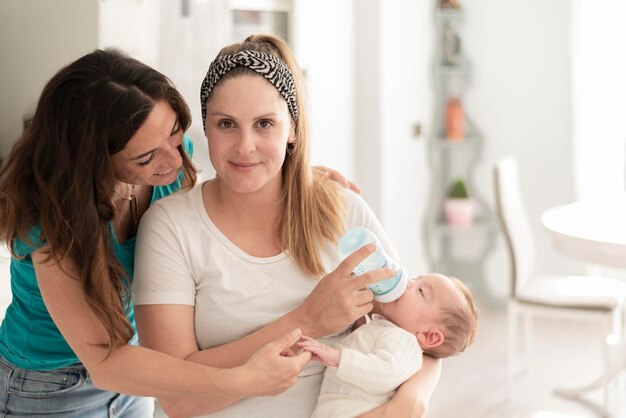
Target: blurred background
404, 98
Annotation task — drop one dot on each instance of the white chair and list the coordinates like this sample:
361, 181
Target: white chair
569, 297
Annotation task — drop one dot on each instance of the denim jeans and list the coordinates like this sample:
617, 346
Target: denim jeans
66, 392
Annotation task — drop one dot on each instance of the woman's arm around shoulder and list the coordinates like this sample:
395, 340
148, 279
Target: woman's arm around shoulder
335, 176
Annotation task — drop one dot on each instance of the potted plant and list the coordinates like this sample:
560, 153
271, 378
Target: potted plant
459, 208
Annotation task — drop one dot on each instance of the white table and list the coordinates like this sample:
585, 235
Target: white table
593, 231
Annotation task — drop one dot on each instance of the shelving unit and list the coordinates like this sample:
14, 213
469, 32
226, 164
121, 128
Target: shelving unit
457, 251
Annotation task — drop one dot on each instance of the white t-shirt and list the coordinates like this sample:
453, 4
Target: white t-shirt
183, 258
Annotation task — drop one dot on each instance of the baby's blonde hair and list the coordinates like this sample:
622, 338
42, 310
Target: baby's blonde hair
459, 323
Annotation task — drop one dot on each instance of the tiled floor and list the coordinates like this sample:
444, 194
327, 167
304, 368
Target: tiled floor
473, 384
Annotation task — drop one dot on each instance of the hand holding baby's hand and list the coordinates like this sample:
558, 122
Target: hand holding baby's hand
321, 352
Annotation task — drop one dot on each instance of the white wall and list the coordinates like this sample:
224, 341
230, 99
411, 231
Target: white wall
406, 96
132, 26
37, 38
599, 88
367, 142
327, 58
520, 98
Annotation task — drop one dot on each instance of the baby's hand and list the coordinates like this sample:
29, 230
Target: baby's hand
323, 353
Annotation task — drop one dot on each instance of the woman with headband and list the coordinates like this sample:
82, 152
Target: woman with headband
237, 261
106, 141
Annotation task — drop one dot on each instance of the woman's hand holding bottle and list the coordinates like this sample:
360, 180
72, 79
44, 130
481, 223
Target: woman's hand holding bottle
339, 299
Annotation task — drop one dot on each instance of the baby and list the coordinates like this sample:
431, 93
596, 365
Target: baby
435, 315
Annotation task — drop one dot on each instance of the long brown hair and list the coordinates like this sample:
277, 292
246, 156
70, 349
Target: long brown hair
59, 174
313, 205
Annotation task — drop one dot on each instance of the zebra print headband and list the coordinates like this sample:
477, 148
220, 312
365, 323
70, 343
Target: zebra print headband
273, 69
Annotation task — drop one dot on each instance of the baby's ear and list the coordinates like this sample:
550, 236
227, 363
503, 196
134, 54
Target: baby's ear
430, 339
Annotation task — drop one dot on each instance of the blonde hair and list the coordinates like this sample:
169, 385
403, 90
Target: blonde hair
313, 205
459, 322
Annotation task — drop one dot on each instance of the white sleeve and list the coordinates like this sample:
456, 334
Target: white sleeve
162, 273
358, 213
395, 357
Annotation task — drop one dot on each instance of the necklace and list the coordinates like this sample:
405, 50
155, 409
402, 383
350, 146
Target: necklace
134, 218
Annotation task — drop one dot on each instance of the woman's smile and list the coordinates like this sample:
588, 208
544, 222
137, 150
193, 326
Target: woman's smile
242, 166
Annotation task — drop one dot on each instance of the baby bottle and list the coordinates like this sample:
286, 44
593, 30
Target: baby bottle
387, 290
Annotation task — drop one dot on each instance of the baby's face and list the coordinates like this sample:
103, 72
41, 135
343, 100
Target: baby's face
418, 309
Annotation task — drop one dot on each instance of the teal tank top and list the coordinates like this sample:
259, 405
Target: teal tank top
28, 336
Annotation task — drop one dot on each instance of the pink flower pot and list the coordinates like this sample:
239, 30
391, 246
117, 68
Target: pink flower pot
459, 212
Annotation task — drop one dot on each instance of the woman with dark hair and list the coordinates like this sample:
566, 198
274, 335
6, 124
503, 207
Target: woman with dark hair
106, 141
